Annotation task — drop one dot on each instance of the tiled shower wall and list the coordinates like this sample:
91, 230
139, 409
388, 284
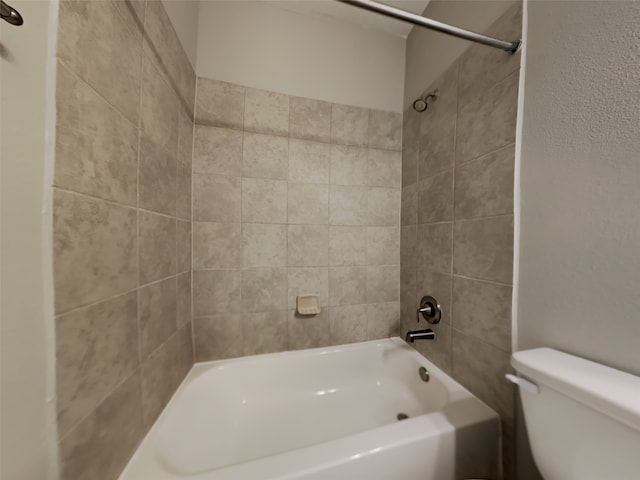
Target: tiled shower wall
457, 218
292, 196
122, 228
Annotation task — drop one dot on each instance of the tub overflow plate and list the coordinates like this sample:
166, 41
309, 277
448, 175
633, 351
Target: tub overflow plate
424, 375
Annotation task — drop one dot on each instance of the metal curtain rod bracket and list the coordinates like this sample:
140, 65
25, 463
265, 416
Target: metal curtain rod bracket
10, 14
393, 12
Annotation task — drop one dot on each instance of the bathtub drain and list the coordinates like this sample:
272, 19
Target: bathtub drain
402, 416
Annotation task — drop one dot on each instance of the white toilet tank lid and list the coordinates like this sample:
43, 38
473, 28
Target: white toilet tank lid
610, 391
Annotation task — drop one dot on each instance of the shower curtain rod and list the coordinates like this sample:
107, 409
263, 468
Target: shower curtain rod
510, 47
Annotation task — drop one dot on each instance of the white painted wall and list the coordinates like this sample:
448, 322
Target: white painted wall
184, 18
430, 53
262, 46
27, 399
579, 280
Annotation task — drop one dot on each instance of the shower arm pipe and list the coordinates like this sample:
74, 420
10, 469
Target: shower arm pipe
393, 12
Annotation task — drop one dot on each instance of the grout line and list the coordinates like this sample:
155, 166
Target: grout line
111, 105
484, 280
136, 370
486, 154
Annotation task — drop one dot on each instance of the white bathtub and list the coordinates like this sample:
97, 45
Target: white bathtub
325, 413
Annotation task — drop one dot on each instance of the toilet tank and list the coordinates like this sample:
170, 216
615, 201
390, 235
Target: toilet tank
583, 420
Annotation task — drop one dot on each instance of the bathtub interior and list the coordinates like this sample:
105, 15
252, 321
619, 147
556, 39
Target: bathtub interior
290, 414
276, 403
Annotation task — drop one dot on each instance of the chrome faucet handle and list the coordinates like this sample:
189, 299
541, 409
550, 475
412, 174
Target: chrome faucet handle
430, 310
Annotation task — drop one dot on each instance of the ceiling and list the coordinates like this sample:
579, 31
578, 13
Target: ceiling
341, 11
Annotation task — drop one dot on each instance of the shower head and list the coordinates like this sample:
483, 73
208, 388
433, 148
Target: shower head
420, 105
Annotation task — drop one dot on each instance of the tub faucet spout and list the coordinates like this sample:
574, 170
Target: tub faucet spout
414, 335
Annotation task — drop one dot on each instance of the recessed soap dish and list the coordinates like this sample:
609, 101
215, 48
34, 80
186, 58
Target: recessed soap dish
308, 304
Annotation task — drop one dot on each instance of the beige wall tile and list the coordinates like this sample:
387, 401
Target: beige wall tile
94, 250
481, 368
434, 246
383, 284
184, 179
101, 445
266, 112
103, 47
408, 296
184, 188
158, 108
308, 281
219, 103
383, 206
96, 149
158, 311
308, 331
484, 248
385, 130
383, 245
410, 141
187, 84
488, 122
96, 348
308, 204
265, 156
383, 320
217, 199
349, 125
264, 200
264, 245
409, 205
408, 245
438, 126
484, 186
183, 299
217, 245
348, 165
159, 374
438, 286
347, 205
265, 332
103, 249
157, 178
310, 119
384, 168
483, 310
216, 292
439, 350
217, 151
184, 242
347, 245
348, 324
185, 350
435, 198
308, 245
264, 289
309, 161
347, 285
157, 254
217, 337
479, 70
161, 44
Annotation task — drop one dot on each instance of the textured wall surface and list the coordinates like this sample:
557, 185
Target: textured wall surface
292, 196
580, 182
457, 218
122, 228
